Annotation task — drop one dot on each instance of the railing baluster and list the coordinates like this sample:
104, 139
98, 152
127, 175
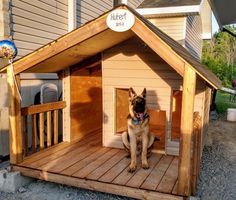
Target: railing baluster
25, 132
34, 133
41, 130
38, 118
49, 128
55, 115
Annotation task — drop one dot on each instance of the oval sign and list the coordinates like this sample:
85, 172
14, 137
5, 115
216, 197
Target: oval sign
120, 20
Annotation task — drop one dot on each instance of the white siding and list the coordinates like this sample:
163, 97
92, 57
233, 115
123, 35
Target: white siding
206, 20
193, 40
89, 9
134, 3
35, 23
172, 26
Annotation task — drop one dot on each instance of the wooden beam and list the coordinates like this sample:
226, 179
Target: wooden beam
186, 129
158, 46
15, 135
96, 185
43, 108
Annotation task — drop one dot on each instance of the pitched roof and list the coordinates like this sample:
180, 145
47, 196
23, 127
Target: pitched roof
95, 37
168, 3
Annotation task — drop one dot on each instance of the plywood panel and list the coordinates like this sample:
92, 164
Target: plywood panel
86, 102
133, 64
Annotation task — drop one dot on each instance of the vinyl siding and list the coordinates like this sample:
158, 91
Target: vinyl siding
89, 9
206, 20
36, 23
193, 40
134, 3
172, 26
133, 64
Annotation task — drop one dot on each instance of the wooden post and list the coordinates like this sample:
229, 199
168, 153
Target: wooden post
66, 111
15, 136
185, 155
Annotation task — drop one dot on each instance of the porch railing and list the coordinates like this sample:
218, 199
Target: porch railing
44, 118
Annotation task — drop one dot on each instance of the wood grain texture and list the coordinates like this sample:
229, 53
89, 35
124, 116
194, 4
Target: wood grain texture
49, 128
86, 101
34, 134
185, 165
95, 185
43, 108
55, 127
15, 135
25, 133
41, 131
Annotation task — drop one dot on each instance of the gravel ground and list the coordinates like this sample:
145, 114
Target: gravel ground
218, 169
217, 178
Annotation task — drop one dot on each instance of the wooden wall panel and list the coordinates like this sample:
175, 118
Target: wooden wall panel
133, 64
86, 102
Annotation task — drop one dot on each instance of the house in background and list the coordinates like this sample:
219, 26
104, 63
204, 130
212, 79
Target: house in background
188, 22
32, 24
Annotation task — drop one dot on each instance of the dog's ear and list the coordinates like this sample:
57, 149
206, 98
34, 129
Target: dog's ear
144, 93
132, 93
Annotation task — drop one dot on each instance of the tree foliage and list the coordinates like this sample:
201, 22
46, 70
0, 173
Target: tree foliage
219, 55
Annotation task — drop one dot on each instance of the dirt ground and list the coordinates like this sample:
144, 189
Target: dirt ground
217, 178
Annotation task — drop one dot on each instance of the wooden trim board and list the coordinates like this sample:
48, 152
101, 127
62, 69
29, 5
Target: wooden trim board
95, 185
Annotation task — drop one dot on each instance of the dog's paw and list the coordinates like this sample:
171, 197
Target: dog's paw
131, 168
145, 166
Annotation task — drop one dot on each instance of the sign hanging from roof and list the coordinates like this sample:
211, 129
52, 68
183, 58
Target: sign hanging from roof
120, 20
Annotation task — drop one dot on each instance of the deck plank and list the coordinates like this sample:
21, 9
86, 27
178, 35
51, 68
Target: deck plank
96, 185
137, 180
96, 174
111, 174
157, 173
169, 179
48, 151
125, 175
63, 152
94, 165
175, 189
69, 159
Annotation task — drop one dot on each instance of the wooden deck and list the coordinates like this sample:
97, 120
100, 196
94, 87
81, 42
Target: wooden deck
86, 164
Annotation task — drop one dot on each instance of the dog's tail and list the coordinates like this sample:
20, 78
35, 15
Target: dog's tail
151, 140
125, 139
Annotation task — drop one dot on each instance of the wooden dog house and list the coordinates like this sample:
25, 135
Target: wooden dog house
97, 65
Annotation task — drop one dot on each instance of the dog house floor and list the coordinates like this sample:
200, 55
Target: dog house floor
86, 164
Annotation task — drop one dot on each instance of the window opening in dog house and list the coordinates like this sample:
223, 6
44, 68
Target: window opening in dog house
176, 114
121, 109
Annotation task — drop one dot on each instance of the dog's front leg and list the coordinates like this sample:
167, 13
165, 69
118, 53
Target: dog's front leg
133, 148
144, 151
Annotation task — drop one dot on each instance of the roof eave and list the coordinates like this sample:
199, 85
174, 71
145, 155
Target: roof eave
168, 11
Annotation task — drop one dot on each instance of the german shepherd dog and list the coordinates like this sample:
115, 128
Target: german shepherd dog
138, 138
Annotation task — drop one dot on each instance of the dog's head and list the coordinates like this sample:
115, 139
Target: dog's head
137, 106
